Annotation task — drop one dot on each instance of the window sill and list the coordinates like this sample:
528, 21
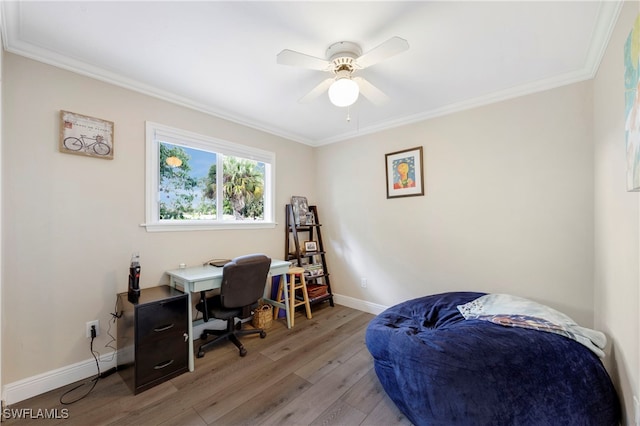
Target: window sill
209, 226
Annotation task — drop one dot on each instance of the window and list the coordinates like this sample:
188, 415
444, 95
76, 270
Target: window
185, 190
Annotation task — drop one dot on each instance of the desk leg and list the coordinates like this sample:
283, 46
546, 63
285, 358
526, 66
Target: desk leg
190, 320
267, 297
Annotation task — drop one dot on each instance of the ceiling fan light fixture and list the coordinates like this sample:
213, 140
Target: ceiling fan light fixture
344, 92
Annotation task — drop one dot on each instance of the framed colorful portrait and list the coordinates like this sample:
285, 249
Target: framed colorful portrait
405, 177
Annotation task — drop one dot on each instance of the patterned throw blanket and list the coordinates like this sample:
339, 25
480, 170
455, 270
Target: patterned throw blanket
513, 311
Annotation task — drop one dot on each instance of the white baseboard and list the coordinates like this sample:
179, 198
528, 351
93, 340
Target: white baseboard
45, 382
33, 386
361, 305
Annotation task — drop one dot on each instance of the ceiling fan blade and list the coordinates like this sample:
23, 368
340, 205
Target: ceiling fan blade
371, 92
389, 48
297, 59
317, 91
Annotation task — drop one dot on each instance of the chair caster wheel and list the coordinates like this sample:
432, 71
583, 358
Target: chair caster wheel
200, 354
243, 352
263, 334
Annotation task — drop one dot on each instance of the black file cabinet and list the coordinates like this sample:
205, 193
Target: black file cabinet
152, 337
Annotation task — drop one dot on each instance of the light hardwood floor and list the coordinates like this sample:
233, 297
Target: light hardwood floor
318, 373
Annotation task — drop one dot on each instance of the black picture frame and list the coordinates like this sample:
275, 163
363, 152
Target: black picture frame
310, 246
405, 174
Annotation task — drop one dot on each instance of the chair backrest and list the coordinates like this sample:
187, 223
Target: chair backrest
243, 280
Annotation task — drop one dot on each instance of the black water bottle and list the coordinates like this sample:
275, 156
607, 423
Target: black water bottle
134, 279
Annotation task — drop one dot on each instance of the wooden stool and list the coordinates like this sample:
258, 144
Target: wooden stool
293, 303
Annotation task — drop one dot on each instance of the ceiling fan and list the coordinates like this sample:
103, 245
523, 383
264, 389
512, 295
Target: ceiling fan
344, 58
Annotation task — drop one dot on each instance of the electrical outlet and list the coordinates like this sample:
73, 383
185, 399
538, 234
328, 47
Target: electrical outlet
88, 327
363, 282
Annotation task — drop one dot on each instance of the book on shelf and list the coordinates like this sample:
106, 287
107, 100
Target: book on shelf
313, 269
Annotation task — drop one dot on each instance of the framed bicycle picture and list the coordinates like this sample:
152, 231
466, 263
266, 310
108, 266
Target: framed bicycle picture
83, 135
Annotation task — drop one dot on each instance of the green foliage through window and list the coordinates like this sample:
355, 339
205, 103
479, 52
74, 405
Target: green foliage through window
189, 190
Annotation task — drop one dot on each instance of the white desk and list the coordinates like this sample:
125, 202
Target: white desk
202, 278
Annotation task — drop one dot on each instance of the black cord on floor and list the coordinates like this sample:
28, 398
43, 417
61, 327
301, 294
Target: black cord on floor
92, 382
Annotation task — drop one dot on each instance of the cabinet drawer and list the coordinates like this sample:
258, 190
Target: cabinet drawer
161, 320
160, 358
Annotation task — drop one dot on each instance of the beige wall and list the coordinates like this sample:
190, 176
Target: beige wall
70, 222
508, 206
617, 238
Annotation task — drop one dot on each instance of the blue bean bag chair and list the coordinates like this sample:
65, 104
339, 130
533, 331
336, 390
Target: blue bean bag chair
442, 369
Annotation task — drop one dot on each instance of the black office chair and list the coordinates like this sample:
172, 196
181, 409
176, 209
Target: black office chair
243, 283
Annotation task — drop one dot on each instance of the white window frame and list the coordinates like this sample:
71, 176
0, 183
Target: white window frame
156, 133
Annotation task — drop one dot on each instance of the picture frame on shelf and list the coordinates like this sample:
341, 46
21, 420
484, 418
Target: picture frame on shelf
300, 208
404, 170
310, 246
311, 219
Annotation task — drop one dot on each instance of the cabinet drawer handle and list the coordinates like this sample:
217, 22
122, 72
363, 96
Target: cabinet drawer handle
161, 366
166, 327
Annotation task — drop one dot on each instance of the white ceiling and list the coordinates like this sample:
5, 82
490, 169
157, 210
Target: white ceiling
220, 57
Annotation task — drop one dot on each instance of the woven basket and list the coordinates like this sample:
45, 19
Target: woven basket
262, 317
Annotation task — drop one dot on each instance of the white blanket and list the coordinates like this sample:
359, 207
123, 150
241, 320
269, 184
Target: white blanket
513, 311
